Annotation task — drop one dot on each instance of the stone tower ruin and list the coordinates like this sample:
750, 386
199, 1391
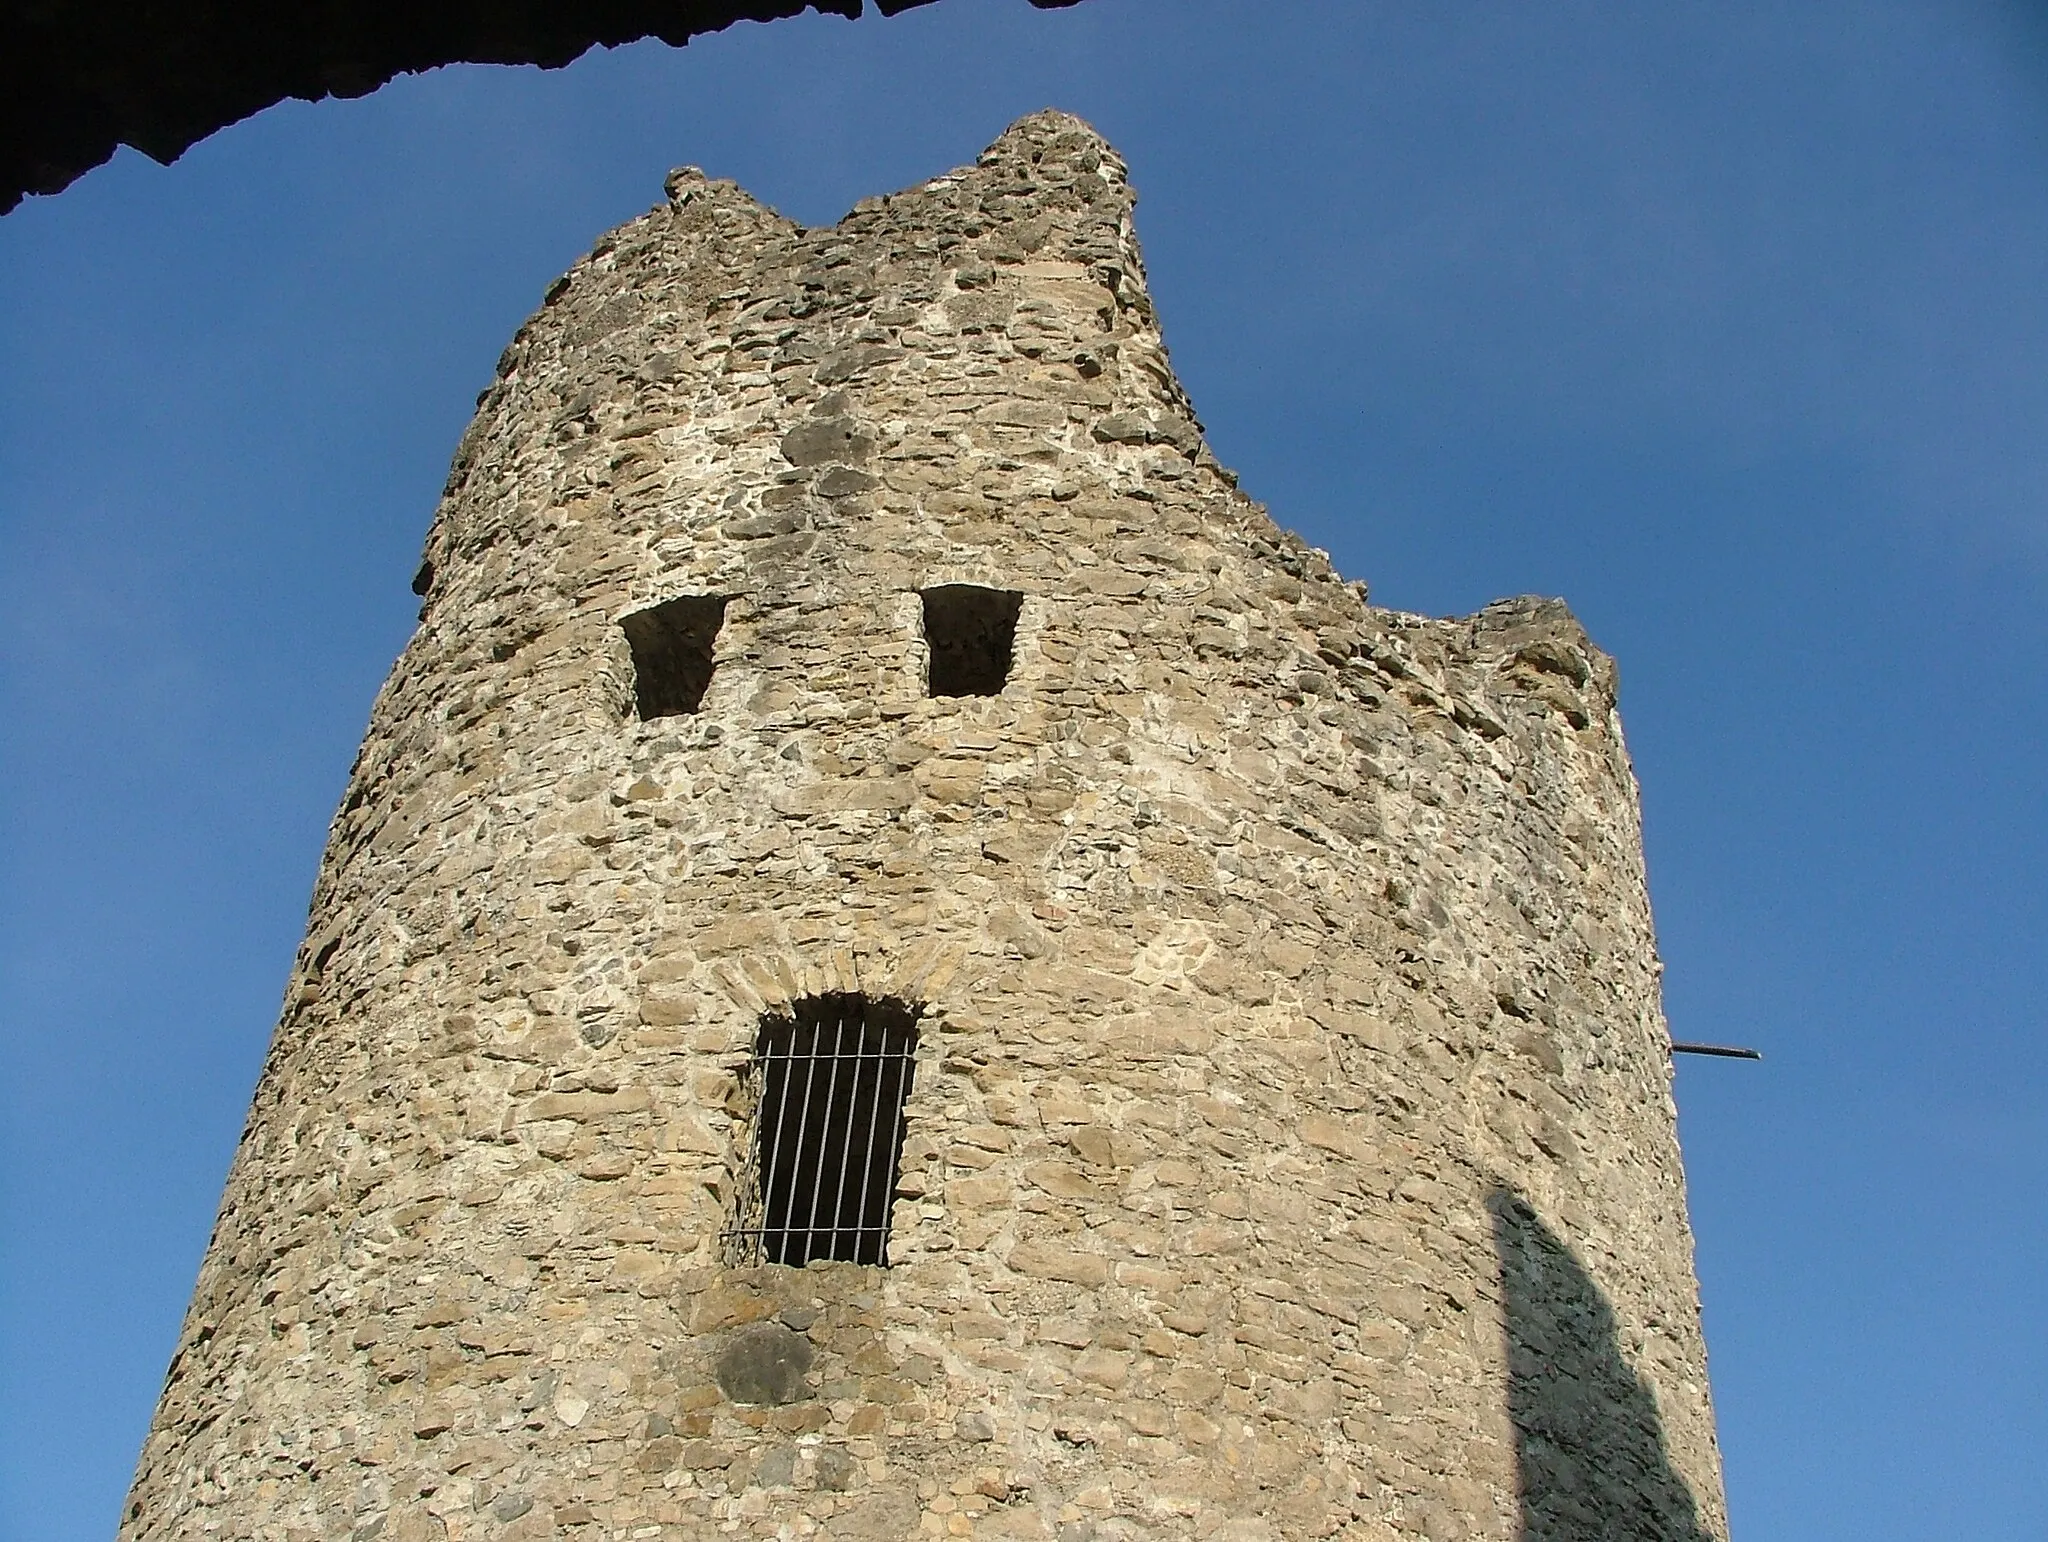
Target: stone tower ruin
900, 962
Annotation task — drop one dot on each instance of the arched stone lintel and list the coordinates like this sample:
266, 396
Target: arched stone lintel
773, 979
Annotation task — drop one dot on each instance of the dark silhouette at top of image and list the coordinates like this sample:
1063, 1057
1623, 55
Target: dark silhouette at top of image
1589, 1446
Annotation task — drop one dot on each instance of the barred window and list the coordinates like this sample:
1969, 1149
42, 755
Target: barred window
671, 645
829, 1081
972, 633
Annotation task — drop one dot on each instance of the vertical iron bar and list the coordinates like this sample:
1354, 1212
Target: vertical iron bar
908, 1061
803, 1124
772, 1152
860, 1046
846, 1144
824, 1132
867, 1169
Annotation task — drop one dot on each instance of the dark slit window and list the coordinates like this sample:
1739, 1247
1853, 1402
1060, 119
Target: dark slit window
829, 1083
671, 645
972, 633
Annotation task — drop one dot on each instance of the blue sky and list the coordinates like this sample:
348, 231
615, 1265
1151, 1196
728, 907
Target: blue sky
1726, 322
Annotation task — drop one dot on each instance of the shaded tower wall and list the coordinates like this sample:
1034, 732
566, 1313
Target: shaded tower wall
1290, 1152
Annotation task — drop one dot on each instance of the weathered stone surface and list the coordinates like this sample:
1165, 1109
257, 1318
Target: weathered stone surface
1290, 1152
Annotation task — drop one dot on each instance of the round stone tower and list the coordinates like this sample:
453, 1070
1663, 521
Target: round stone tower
900, 962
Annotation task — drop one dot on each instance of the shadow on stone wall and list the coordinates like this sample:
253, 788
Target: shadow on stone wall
1589, 1447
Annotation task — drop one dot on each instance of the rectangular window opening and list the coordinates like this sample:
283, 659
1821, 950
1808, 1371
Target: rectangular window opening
830, 1081
671, 645
972, 634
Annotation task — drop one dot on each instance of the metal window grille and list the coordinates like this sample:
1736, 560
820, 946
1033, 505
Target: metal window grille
829, 1083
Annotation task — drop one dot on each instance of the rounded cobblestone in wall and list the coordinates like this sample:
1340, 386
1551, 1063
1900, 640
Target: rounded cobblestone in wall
764, 1363
1289, 1149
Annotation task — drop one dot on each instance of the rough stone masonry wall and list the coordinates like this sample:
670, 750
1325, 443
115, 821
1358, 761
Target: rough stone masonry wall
1280, 957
